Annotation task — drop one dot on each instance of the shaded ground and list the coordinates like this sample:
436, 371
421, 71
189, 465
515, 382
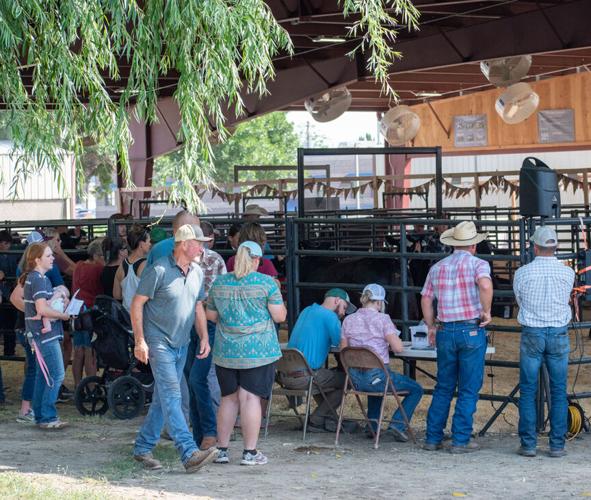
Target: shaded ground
91, 459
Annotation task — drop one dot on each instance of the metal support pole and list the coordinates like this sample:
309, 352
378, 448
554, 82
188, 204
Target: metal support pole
301, 172
289, 267
522, 242
111, 228
403, 281
531, 228
236, 201
296, 269
438, 183
409, 371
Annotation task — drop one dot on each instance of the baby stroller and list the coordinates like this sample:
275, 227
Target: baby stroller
125, 385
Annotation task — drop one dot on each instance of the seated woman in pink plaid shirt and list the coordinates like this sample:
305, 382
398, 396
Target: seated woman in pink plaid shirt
370, 327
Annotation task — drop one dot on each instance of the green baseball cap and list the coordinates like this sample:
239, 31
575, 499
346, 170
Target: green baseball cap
157, 234
339, 293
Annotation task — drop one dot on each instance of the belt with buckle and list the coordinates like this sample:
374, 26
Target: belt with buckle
475, 321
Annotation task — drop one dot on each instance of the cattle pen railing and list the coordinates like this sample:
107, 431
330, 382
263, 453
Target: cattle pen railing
297, 228
520, 254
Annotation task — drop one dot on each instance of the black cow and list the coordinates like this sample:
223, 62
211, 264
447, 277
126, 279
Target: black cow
360, 271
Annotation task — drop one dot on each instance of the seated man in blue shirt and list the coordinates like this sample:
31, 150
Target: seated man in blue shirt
317, 329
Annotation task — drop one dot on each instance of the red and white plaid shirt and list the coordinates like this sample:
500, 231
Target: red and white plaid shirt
453, 281
212, 265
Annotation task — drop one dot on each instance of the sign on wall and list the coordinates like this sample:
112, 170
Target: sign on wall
556, 125
470, 131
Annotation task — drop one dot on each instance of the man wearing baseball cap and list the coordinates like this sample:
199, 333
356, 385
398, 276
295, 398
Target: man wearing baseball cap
462, 286
168, 302
317, 329
542, 290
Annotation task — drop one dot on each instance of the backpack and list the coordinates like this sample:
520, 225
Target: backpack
130, 282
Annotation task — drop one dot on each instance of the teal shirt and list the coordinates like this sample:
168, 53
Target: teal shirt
245, 335
315, 331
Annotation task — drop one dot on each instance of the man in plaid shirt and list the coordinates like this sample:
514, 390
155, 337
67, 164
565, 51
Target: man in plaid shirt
462, 286
204, 388
542, 289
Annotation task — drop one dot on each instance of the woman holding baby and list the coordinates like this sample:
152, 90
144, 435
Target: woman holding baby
38, 293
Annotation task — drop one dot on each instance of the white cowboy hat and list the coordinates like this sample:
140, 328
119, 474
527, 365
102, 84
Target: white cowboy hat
462, 235
255, 210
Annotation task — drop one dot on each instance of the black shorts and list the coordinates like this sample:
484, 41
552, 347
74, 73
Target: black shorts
258, 381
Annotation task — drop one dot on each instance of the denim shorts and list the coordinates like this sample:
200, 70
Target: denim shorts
81, 338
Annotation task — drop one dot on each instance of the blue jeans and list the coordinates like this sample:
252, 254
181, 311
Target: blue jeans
29, 381
44, 394
551, 347
461, 348
203, 408
374, 381
167, 364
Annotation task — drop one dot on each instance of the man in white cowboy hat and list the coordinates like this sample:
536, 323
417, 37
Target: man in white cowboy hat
542, 289
252, 212
462, 285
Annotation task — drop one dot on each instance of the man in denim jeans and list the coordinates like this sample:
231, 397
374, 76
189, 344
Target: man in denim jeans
542, 289
168, 302
205, 394
462, 285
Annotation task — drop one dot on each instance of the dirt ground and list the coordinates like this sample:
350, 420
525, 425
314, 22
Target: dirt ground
91, 459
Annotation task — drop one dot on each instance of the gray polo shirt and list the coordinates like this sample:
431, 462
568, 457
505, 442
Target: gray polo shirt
169, 315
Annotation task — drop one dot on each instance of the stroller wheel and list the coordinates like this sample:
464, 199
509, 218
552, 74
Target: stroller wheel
91, 396
126, 397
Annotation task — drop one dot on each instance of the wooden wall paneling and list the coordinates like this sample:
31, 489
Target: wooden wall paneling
571, 91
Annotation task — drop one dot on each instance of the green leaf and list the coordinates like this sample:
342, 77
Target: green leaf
72, 50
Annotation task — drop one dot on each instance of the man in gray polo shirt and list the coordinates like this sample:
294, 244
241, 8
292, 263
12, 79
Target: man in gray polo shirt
168, 302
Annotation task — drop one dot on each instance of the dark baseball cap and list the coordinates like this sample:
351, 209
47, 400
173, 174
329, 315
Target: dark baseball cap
339, 293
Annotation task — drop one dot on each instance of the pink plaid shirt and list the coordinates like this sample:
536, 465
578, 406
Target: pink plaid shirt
453, 282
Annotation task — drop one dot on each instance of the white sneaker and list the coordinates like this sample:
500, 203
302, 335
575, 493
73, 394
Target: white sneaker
250, 459
223, 457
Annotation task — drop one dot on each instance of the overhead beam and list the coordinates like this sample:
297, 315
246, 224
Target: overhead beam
528, 33
312, 78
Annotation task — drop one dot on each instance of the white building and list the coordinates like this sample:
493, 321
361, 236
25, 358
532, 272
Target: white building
39, 197
459, 170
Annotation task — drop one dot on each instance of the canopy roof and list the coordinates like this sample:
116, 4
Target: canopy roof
443, 56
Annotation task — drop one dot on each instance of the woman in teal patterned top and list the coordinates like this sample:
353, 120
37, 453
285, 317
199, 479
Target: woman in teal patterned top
245, 305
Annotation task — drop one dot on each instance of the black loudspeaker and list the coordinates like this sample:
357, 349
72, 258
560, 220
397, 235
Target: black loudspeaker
538, 189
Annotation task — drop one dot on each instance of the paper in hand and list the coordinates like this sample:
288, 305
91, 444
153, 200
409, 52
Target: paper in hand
75, 305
